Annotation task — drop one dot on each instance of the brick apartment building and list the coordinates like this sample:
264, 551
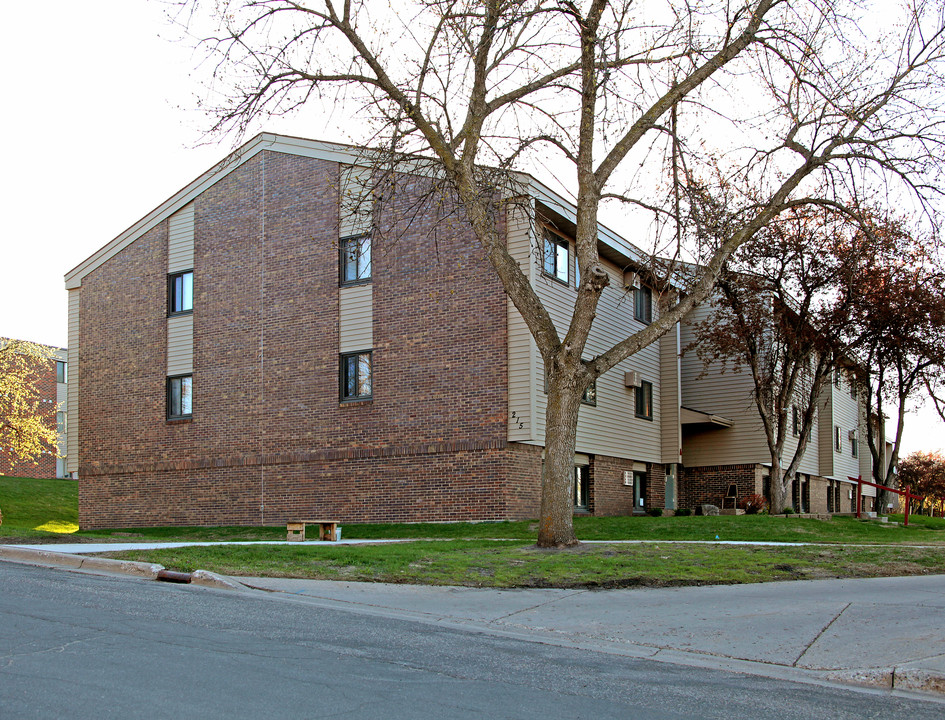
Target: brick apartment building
257, 348
52, 397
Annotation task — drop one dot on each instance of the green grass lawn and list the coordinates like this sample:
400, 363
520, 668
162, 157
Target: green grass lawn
38, 508
509, 563
503, 554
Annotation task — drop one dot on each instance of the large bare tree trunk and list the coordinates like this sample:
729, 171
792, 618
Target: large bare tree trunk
778, 488
556, 528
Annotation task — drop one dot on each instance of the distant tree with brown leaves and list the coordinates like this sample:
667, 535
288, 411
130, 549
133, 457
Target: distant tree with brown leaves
924, 473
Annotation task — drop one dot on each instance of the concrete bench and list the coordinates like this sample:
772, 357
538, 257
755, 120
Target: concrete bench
327, 529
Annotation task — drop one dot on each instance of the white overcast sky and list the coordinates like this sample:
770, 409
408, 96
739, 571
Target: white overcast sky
100, 127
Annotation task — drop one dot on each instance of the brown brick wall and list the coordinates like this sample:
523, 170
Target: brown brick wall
708, 485
266, 412
609, 496
43, 466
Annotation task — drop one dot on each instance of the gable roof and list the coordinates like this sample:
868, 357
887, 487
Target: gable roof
620, 248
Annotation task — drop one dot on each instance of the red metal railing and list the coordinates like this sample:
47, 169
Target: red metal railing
859, 494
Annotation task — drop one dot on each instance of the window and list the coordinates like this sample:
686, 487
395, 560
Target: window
795, 420
555, 257
837, 438
61, 372
590, 394
180, 293
639, 491
580, 490
644, 400
643, 305
836, 378
356, 376
854, 442
355, 260
61, 422
180, 397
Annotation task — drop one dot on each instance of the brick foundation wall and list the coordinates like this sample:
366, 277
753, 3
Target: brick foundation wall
44, 465
708, 485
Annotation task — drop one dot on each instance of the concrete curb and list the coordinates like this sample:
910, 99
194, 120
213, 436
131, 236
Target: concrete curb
148, 571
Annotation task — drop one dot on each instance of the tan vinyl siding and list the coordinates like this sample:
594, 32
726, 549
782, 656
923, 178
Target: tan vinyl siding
610, 428
825, 433
180, 345
355, 318
670, 392
180, 240
357, 206
72, 429
521, 348
727, 394
845, 414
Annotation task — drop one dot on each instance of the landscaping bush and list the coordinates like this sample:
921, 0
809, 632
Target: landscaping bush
683, 512
655, 512
753, 504
788, 510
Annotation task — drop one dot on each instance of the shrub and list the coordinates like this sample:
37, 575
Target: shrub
655, 512
683, 512
788, 510
753, 504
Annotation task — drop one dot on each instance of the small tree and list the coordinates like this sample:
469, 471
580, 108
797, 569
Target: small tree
899, 287
25, 429
478, 90
924, 472
781, 313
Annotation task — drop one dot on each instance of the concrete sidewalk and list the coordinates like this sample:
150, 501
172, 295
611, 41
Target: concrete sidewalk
885, 632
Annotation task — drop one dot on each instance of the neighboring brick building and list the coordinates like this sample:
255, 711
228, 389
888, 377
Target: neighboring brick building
51, 394
260, 348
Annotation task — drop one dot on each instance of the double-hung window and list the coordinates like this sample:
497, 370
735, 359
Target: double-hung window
355, 260
555, 259
837, 438
61, 371
590, 394
643, 305
644, 400
180, 397
355, 376
180, 293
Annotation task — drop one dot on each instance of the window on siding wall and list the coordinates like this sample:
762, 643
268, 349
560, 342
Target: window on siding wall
61, 371
180, 392
555, 256
590, 394
837, 438
61, 422
644, 400
356, 376
355, 260
643, 305
854, 443
180, 293
795, 420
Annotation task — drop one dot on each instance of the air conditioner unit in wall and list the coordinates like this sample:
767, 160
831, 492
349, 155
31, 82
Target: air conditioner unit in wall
632, 379
631, 279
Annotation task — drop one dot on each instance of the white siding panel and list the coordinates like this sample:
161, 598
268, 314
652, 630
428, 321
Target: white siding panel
180, 240
180, 345
72, 429
845, 414
357, 206
355, 318
521, 347
719, 393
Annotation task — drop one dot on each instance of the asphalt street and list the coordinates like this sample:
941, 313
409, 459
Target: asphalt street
82, 645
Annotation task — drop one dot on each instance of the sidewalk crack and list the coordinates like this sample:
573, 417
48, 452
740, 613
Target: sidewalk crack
542, 604
820, 634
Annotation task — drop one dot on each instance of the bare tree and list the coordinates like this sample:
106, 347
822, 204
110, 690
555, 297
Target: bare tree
788, 97
782, 313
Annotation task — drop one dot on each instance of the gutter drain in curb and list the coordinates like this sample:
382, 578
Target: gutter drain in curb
173, 576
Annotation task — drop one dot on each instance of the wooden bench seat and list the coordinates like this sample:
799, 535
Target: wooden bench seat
327, 529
